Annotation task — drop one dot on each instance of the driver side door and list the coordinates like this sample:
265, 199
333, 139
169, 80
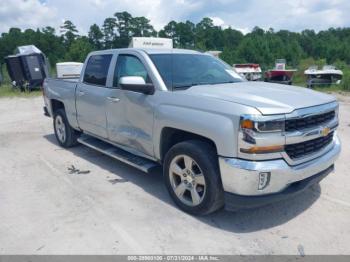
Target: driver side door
130, 118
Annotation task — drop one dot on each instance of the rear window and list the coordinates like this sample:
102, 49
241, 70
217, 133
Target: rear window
97, 69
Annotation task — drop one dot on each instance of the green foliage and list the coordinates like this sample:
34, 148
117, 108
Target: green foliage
69, 32
261, 46
108, 32
299, 77
345, 84
95, 36
79, 49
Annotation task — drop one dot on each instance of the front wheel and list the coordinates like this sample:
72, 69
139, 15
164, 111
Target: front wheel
65, 134
192, 177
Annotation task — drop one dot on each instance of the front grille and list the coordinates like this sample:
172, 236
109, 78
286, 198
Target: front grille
308, 122
308, 147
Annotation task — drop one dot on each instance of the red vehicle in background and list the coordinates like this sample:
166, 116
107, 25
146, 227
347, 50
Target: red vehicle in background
280, 74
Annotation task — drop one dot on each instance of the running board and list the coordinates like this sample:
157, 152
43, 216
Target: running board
138, 162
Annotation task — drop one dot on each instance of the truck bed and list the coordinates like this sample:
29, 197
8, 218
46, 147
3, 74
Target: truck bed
62, 90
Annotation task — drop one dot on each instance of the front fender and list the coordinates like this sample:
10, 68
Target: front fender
218, 128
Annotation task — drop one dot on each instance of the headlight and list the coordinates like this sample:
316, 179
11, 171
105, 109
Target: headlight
261, 135
263, 124
270, 126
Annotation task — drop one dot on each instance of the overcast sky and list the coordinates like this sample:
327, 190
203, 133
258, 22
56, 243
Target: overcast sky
243, 15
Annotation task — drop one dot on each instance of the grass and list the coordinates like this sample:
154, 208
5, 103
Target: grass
332, 88
7, 90
326, 89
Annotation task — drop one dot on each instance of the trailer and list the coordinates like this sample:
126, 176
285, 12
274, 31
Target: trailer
27, 68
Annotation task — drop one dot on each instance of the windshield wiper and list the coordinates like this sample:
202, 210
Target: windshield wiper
227, 82
189, 85
201, 83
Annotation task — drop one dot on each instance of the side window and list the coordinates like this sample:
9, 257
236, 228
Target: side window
164, 65
97, 69
129, 65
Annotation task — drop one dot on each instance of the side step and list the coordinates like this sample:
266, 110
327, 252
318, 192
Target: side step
138, 162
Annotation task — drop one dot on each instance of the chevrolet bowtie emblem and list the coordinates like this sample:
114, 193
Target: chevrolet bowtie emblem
325, 131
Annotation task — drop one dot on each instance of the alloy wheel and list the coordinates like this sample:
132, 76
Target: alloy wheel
187, 180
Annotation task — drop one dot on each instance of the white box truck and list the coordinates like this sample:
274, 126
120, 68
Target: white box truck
69, 69
151, 42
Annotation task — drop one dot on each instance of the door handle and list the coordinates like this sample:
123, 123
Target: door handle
81, 93
113, 99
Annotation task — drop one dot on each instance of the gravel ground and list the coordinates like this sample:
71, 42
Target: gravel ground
116, 209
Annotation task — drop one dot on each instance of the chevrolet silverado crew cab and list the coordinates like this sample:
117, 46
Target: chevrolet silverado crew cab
222, 141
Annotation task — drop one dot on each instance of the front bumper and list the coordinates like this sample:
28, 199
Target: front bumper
241, 177
234, 202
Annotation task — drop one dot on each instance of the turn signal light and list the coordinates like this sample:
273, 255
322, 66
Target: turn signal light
262, 149
247, 124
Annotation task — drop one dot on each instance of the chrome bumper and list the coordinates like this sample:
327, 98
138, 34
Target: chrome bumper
242, 177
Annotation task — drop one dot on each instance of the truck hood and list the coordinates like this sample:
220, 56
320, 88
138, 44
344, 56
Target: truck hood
268, 98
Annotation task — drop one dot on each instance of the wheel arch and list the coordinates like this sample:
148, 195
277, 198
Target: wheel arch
171, 136
55, 105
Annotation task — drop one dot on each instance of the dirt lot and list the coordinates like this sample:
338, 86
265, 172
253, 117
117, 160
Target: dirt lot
116, 209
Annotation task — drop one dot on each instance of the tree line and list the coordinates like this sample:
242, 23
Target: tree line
258, 46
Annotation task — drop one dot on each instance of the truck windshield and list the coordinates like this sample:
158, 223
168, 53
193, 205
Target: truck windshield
181, 71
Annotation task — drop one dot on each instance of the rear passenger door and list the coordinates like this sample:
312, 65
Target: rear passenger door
91, 95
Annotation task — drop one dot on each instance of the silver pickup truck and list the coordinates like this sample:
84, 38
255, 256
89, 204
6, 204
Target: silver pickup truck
222, 141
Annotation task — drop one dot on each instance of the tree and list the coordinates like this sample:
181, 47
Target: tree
95, 36
79, 49
124, 28
141, 27
108, 29
50, 44
169, 30
208, 36
183, 34
69, 32
258, 46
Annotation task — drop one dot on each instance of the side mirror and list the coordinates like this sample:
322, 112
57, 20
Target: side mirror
136, 84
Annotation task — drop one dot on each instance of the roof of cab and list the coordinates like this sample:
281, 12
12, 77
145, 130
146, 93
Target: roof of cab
169, 51
150, 51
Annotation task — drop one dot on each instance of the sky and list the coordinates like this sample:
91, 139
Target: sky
294, 15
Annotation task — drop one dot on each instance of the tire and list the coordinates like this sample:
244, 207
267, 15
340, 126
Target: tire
201, 159
66, 136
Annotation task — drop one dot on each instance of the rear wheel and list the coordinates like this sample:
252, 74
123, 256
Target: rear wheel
65, 134
192, 177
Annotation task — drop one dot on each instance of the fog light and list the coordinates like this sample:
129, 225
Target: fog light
264, 180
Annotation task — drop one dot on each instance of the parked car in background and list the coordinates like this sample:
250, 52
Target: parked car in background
222, 141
